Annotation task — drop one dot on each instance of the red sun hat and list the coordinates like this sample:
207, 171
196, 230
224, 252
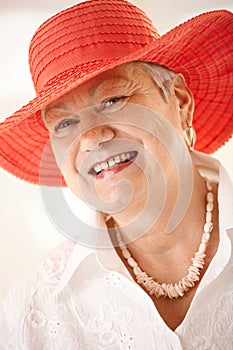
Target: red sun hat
94, 36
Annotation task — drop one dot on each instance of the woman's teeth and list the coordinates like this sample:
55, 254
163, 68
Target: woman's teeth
115, 161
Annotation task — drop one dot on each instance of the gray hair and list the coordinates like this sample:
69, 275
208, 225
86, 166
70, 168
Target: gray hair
162, 77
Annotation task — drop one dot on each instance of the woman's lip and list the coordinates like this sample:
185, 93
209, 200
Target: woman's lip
126, 160
108, 173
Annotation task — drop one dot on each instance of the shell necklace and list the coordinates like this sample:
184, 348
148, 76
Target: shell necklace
178, 289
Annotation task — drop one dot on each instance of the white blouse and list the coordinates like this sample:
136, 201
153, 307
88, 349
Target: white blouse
81, 298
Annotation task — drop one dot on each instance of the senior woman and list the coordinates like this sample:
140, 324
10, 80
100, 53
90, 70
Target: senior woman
115, 103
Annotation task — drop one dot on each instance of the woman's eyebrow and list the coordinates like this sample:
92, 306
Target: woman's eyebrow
115, 82
51, 113
47, 112
59, 107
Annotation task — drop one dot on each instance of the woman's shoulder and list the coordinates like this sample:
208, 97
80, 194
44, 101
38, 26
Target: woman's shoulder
48, 271
30, 294
54, 263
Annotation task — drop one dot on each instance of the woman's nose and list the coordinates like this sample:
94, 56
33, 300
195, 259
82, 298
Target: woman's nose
94, 137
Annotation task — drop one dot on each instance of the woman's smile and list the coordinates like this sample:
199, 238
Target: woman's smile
113, 165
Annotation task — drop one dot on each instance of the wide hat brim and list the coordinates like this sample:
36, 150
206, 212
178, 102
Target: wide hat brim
200, 49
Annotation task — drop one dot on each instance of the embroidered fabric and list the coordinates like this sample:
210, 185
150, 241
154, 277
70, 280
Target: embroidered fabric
100, 313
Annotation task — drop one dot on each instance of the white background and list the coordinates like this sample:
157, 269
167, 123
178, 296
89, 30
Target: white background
26, 233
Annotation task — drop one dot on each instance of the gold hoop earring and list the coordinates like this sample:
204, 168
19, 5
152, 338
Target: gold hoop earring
190, 137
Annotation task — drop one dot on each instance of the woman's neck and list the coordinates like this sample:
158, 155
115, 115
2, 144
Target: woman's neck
160, 253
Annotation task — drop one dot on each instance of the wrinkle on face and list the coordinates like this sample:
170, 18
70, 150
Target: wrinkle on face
121, 80
131, 80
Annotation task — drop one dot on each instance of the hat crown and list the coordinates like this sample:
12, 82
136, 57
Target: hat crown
91, 31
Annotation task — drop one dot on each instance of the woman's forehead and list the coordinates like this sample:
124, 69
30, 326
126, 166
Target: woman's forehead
119, 76
126, 70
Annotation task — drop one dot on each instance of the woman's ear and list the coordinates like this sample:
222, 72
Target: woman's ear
184, 99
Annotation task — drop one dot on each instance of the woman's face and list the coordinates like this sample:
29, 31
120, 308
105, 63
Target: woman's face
112, 135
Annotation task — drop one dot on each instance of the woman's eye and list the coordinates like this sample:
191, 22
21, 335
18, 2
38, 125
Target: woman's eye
113, 101
64, 124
